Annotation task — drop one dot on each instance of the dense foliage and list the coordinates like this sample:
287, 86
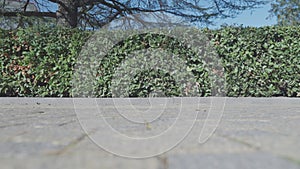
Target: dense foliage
38, 62
260, 61
146, 63
257, 61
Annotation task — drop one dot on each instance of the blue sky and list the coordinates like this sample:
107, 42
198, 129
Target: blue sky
256, 18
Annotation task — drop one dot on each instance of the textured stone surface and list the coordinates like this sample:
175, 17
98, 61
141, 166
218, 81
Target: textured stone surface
260, 133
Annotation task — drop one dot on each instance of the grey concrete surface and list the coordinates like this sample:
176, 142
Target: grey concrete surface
254, 133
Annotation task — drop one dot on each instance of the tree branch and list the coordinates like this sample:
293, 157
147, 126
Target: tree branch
61, 4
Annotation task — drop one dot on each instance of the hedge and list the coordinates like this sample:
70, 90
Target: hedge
261, 62
38, 62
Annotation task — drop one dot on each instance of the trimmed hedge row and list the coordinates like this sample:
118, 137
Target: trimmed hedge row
145, 64
258, 62
38, 62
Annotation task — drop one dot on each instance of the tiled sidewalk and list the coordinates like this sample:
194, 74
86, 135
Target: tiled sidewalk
253, 133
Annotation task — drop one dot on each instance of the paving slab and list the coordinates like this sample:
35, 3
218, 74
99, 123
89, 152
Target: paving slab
42, 133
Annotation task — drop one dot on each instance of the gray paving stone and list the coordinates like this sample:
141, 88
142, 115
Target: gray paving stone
255, 160
42, 133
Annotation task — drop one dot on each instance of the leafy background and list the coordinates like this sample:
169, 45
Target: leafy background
261, 62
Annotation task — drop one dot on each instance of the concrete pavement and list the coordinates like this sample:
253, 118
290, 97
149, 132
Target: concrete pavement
260, 133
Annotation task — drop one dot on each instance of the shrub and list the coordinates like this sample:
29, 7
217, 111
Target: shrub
263, 62
38, 62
